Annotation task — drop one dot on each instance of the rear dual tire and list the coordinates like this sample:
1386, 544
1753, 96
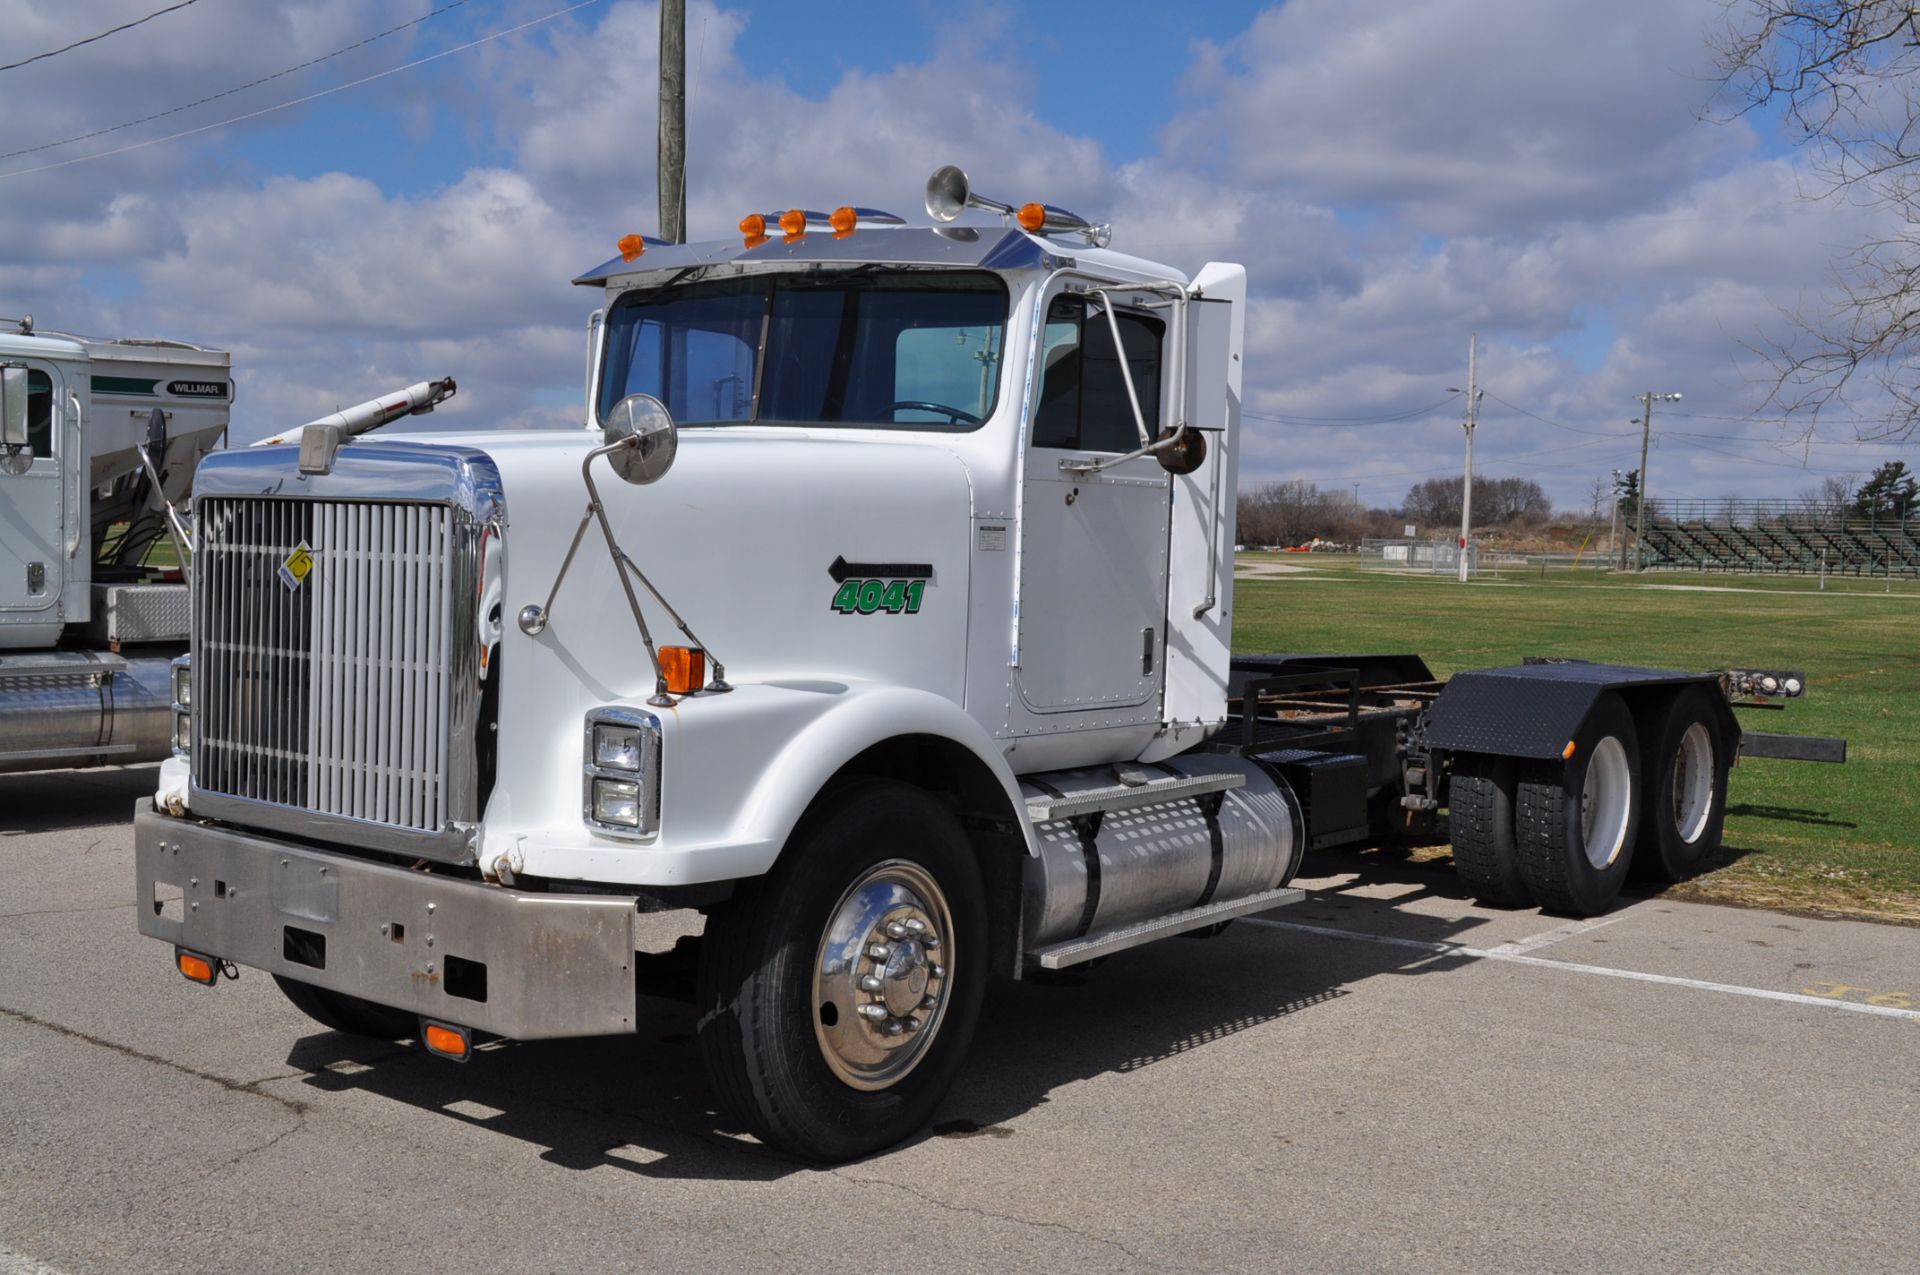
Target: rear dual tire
1480, 826
1577, 819
1687, 762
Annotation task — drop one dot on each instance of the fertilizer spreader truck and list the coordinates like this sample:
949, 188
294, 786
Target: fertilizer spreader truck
882, 613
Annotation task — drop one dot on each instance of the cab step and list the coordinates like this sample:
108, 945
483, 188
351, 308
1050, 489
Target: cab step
1125, 796
1058, 956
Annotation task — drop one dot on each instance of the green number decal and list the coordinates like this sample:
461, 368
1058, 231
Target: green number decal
865, 597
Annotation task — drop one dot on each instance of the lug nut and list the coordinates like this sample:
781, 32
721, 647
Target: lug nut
879, 952
872, 983
894, 1027
914, 925
896, 930
930, 942
930, 1002
872, 1013
936, 970
913, 1024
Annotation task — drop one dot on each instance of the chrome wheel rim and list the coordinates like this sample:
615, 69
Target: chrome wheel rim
880, 977
1605, 801
1693, 774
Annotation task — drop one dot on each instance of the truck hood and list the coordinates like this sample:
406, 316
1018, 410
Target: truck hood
750, 536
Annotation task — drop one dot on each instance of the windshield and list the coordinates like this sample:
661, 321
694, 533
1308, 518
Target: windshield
879, 348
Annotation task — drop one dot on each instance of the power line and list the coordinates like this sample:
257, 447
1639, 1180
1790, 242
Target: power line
301, 101
238, 88
1338, 421
1571, 429
124, 26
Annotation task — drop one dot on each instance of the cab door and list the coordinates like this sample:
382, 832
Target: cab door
1093, 549
33, 505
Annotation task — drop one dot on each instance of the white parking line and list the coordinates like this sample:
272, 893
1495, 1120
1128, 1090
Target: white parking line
1515, 954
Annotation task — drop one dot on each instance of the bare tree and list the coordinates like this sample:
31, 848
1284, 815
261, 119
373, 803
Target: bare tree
1599, 493
1845, 77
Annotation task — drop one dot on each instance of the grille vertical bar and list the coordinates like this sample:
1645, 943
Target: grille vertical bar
333, 697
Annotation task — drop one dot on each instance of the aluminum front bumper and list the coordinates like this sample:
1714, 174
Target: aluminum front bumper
552, 964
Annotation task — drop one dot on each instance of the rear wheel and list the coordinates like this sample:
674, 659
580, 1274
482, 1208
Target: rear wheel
1480, 822
838, 995
1577, 818
1687, 761
349, 1014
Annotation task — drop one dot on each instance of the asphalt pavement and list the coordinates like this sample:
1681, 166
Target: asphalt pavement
1383, 1077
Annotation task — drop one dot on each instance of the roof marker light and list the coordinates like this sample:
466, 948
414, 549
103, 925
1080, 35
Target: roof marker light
843, 220
631, 246
793, 222
1032, 217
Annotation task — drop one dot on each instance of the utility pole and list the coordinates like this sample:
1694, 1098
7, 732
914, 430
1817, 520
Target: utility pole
1466, 488
1647, 401
673, 121
1613, 526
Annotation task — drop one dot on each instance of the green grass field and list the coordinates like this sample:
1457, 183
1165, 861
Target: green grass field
1840, 839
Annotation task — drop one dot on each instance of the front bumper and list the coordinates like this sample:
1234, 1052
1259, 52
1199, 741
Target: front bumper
548, 965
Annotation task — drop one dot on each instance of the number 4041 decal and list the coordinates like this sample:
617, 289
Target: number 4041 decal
864, 597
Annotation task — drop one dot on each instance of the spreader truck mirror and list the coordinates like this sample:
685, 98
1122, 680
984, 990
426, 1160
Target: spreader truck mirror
13, 419
643, 423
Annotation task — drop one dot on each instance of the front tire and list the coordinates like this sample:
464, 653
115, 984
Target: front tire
838, 994
1687, 762
1577, 818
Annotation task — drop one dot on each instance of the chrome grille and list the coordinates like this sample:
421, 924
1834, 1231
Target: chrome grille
337, 697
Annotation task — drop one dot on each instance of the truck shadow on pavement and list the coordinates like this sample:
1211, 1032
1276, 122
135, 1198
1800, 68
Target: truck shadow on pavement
642, 1103
59, 800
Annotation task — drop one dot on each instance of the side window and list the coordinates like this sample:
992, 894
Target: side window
40, 412
1083, 400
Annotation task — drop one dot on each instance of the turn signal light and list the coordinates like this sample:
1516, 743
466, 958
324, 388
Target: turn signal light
685, 668
448, 1042
793, 222
196, 967
843, 220
1032, 217
631, 246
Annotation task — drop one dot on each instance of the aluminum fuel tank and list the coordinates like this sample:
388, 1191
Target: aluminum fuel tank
1115, 867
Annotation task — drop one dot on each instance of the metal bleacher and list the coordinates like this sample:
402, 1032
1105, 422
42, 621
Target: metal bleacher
1779, 536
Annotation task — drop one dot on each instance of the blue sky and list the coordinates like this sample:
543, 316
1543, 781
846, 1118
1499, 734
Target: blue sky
1394, 177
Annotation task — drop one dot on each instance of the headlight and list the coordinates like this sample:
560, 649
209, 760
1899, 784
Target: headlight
621, 772
182, 708
616, 746
617, 801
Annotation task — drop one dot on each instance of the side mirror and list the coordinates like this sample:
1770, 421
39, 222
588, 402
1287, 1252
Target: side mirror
642, 423
16, 454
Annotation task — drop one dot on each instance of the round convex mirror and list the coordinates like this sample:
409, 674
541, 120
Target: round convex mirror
644, 425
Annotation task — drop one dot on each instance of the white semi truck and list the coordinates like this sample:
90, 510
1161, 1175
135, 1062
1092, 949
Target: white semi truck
882, 613
99, 439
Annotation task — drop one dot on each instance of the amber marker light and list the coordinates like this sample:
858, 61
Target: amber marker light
448, 1042
1567, 752
685, 668
843, 220
753, 225
631, 246
196, 967
793, 222
1032, 217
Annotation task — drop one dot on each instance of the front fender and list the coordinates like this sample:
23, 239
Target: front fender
738, 771
862, 717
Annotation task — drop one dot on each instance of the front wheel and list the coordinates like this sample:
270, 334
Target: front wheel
838, 995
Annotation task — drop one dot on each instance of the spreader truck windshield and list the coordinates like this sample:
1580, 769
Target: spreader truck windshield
881, 613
